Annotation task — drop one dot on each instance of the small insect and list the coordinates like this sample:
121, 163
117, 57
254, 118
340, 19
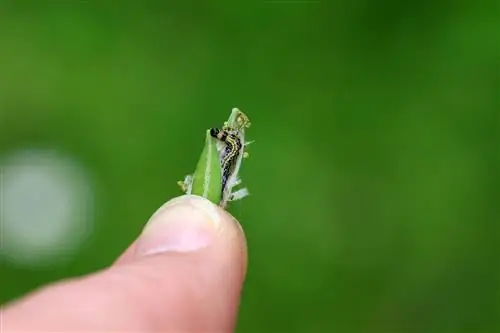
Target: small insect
216, 174
231, 151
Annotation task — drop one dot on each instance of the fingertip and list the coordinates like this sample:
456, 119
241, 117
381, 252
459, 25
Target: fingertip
227, 229
186, 224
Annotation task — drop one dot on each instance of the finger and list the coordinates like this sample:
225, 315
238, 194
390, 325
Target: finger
183, 274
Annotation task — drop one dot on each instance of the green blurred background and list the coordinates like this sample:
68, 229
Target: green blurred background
375, 169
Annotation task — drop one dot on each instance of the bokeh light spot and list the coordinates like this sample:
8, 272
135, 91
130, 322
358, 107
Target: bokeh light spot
45, 207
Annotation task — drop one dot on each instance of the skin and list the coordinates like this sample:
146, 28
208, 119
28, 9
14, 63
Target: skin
150, 287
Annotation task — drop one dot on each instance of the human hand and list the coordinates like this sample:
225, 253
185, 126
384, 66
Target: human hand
183, 274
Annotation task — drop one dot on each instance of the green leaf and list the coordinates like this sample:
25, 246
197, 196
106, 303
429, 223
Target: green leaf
207, 177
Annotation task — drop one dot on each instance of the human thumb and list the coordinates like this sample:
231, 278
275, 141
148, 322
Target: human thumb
183, 274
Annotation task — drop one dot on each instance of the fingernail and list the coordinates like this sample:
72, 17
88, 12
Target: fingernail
184, 224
